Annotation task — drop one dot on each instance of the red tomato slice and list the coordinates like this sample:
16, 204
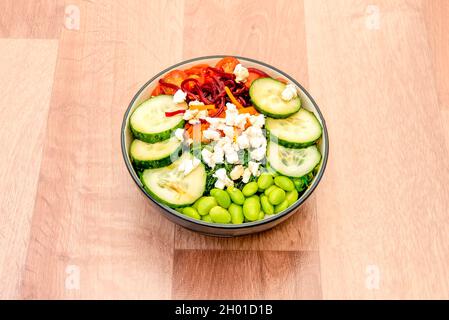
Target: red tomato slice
156, 91
175, 77
227, 64
251, 77
196, 69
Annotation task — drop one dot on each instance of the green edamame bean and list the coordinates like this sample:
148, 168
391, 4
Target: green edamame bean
281, 207
291, 196
222, 198
265, 180
191, 212
207, 218
212, 192
236, 213
261, 215
267, 191
276, 196
251, 208
236, 195
250, 188
195, 204
220, 215
267, 207
205, 204
284, 183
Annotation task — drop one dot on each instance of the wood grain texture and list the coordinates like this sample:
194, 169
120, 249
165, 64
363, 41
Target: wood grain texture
248, 275
24, 108
73, 224
384, 199
89, 215
251, 32
31, 19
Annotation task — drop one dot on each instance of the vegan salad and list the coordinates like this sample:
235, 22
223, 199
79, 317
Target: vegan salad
225, 143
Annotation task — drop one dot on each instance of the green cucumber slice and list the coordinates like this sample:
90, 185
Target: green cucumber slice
299, 130
292, 162
149, 122
265, 93
154, 155
170, 186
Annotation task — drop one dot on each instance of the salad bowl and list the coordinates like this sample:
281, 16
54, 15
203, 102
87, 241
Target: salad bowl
219, 227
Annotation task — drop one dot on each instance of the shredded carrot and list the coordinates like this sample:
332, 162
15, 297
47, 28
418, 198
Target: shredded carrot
250, 110
233, 99
203, 107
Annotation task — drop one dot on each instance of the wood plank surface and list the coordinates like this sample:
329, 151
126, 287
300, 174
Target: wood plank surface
74, 225
24, 108
384, 199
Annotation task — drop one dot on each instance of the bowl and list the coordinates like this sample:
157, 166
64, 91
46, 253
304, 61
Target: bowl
217, 229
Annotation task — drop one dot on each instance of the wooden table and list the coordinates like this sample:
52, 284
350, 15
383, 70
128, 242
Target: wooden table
74, 225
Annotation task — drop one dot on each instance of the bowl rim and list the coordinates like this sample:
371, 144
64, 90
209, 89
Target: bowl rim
246, 225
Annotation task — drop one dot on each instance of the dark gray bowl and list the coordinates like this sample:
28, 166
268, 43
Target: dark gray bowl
216, 229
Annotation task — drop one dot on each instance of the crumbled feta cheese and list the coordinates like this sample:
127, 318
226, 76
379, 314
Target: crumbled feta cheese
179, 134
253, 168
218, 156
190, 114
241, 73
180, 96
188, 165
196, 103
207, 157
237, 172
222, 179
232, 157
243, 141
228, 131
215, 122
246, 175
230, 107
257, 121
211, 134
194, 115
240, 120
289, 92
258, 154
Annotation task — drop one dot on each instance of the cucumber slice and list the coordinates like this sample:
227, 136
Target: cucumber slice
154, 155
265, 93
170, 186
292, 162
149, 123
299, 130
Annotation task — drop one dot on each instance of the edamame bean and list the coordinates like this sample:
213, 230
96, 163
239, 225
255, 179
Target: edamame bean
205, 204
236, 195
250, 188
291, 196
191, 212
220, 215
267, 191
265, 180
212, 192
236, 213
284, 183
195, 204
281, 207
267, 207
261, 215
276, 196
251, 208
206, 218
222, 198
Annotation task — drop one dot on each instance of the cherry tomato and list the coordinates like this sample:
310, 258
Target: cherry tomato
174, 77
196, 69
156, 91
251, 77
227, 64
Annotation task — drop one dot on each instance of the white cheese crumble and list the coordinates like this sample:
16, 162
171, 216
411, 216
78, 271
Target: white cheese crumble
187, 165
241, 73
237, 172
196, 103
211, 134
179, 134
222, 179
246, 175
180, 96
193, 116
289, 92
